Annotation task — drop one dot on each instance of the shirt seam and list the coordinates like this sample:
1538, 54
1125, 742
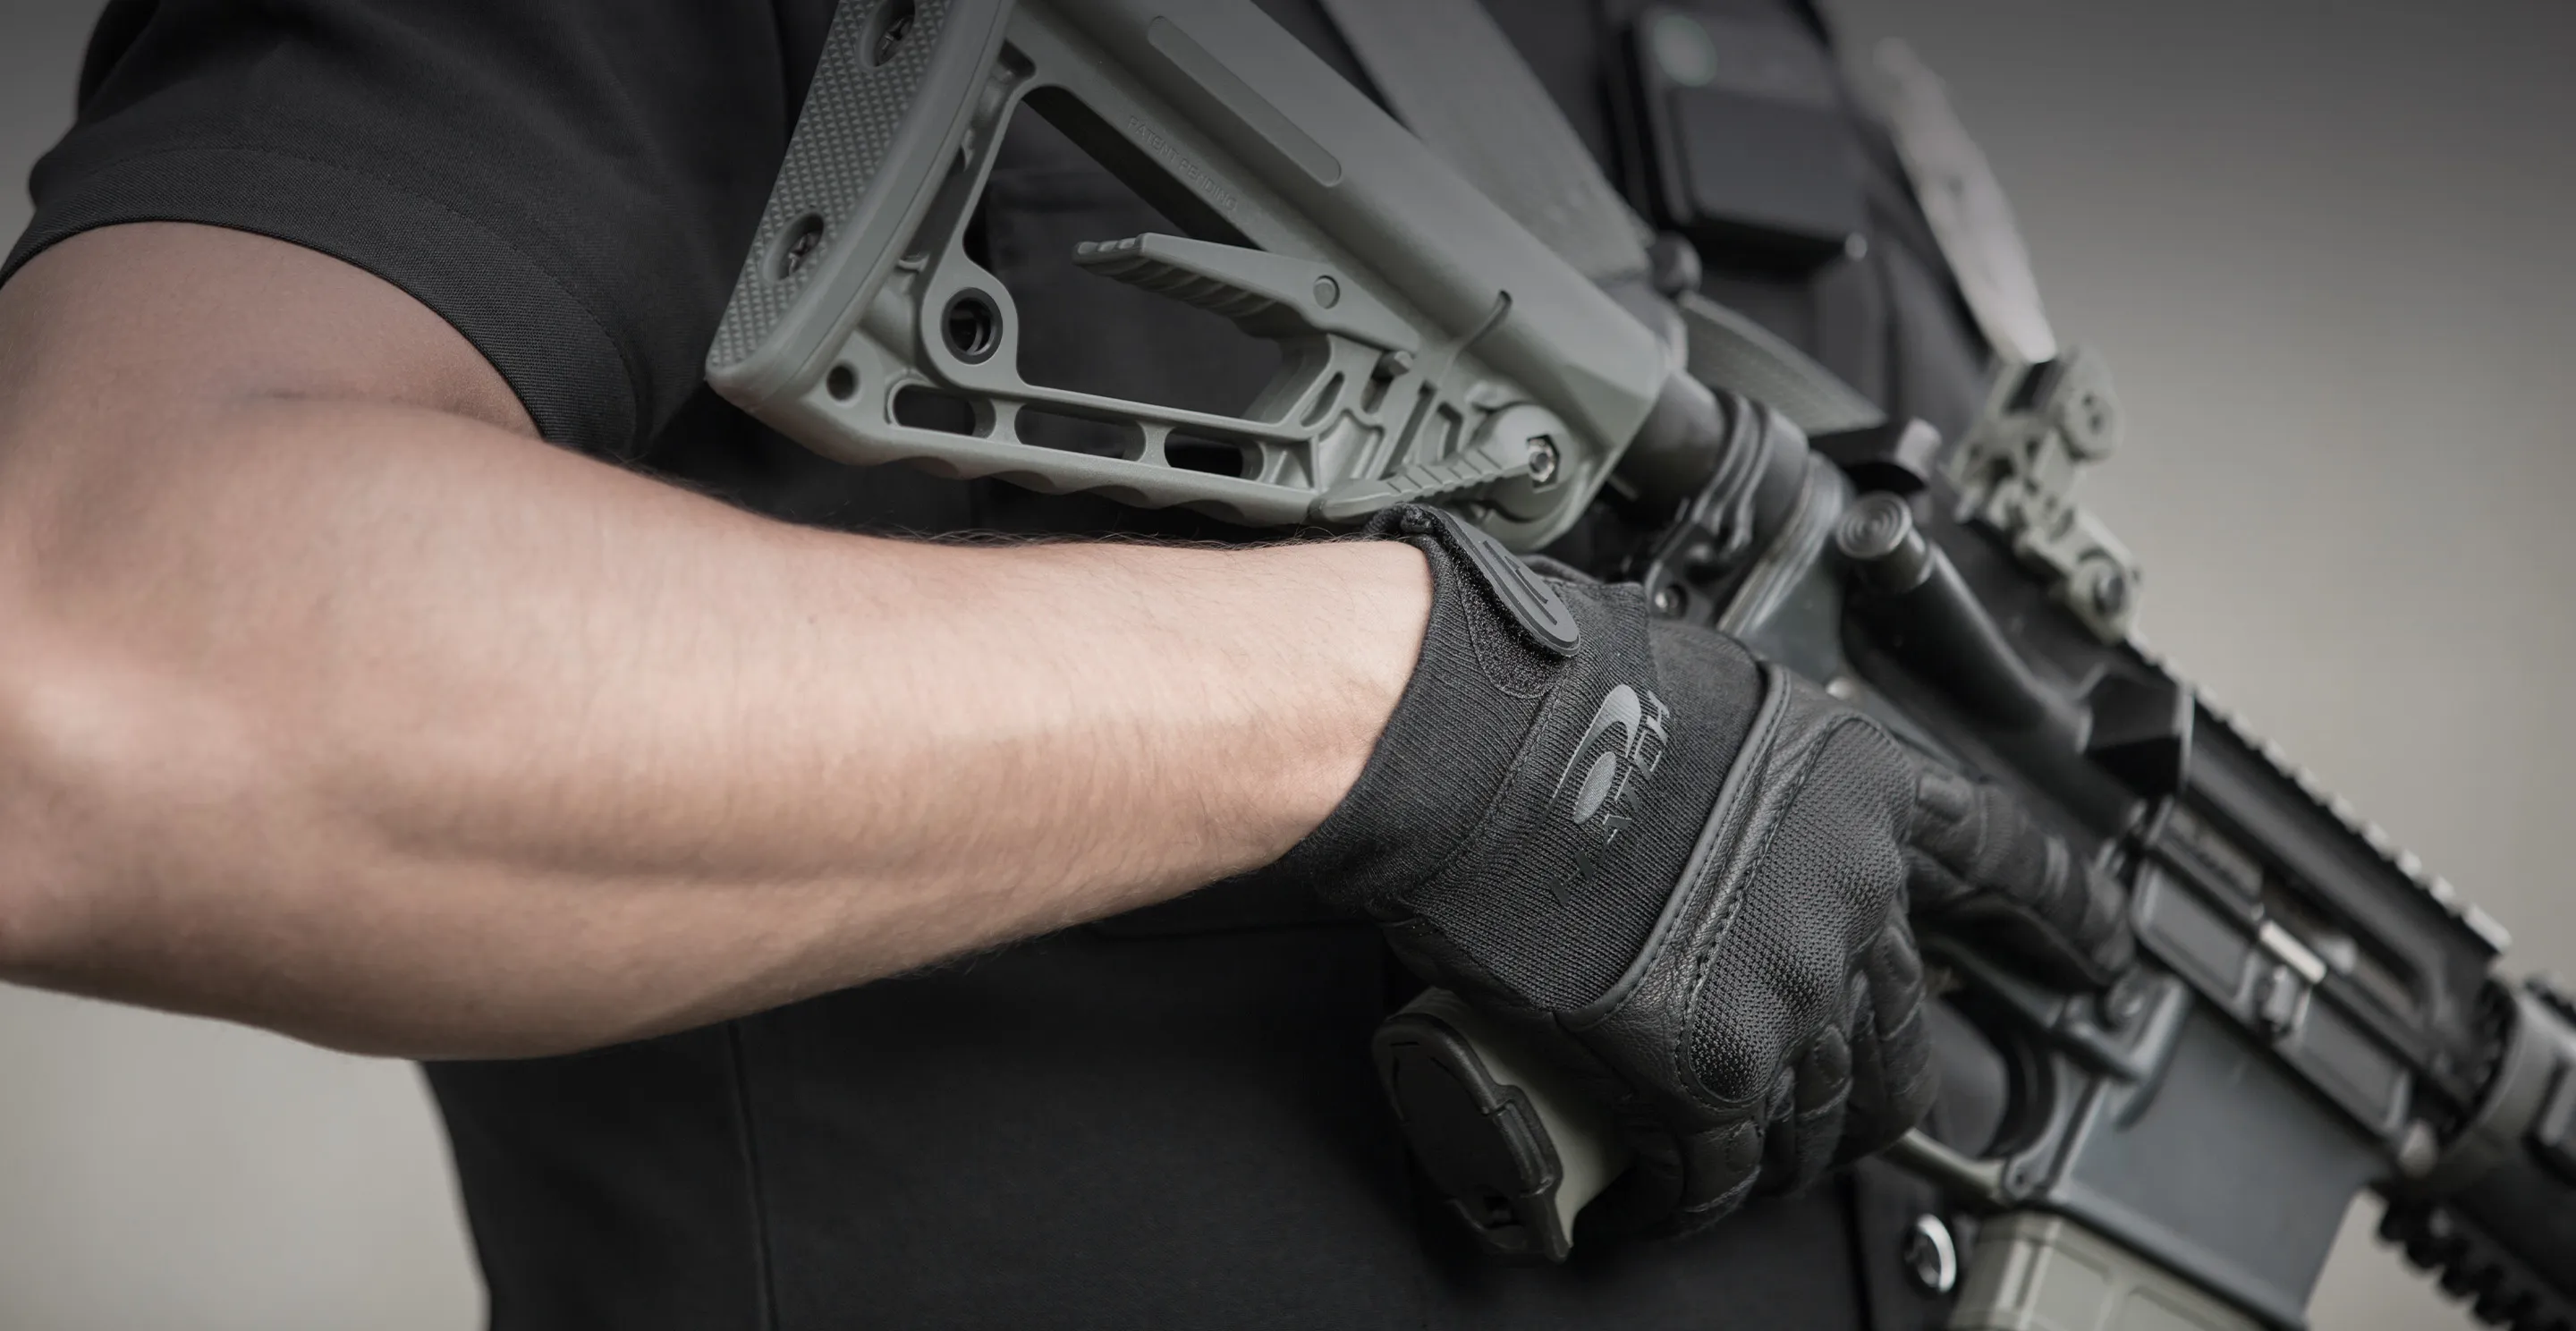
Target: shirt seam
94, 173
765, 1286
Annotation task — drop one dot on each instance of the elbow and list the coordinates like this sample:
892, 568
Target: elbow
53, 798
103, 773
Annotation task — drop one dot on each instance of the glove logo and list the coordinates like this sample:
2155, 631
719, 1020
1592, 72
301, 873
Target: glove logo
1618, 753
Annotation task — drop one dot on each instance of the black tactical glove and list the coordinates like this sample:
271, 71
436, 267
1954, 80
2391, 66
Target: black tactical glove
1685, 873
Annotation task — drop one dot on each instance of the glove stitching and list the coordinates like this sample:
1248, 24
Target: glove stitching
1721, 827
1780, 798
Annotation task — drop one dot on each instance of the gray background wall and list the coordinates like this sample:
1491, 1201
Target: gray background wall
2322, 246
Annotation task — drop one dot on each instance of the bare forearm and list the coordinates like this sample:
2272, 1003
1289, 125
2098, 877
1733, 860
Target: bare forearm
390, 728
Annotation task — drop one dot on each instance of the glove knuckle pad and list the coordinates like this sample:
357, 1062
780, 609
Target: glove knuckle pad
1814, 897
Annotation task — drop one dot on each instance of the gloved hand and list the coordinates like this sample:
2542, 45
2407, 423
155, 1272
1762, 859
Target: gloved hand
1684, 873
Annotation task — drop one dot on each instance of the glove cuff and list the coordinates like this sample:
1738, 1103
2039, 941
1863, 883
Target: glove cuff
1498, 638
1537, 790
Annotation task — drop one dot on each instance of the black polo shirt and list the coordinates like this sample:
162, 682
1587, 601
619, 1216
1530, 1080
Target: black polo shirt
1164, 1120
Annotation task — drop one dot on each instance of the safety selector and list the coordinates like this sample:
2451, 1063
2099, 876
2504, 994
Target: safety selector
1513, 1148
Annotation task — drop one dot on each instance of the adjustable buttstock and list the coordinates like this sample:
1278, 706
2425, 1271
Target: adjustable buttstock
1432, 350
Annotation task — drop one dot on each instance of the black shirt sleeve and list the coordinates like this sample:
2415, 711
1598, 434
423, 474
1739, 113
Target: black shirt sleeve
570, 183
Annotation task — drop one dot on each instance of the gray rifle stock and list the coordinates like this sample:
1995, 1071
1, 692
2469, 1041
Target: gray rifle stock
1431, 348
2314, 1014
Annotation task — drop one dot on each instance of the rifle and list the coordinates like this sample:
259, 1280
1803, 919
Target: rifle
2313, 1013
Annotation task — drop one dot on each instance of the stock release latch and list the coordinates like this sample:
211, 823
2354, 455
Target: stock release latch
1270, 295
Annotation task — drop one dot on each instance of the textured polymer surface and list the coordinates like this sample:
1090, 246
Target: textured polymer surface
849, 121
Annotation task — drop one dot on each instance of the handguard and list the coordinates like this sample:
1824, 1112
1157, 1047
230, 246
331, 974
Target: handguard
1431, 349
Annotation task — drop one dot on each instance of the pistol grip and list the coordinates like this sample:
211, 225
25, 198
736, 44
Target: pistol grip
1514, 1147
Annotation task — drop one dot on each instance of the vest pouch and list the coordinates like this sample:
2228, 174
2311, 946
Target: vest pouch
1743, 138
